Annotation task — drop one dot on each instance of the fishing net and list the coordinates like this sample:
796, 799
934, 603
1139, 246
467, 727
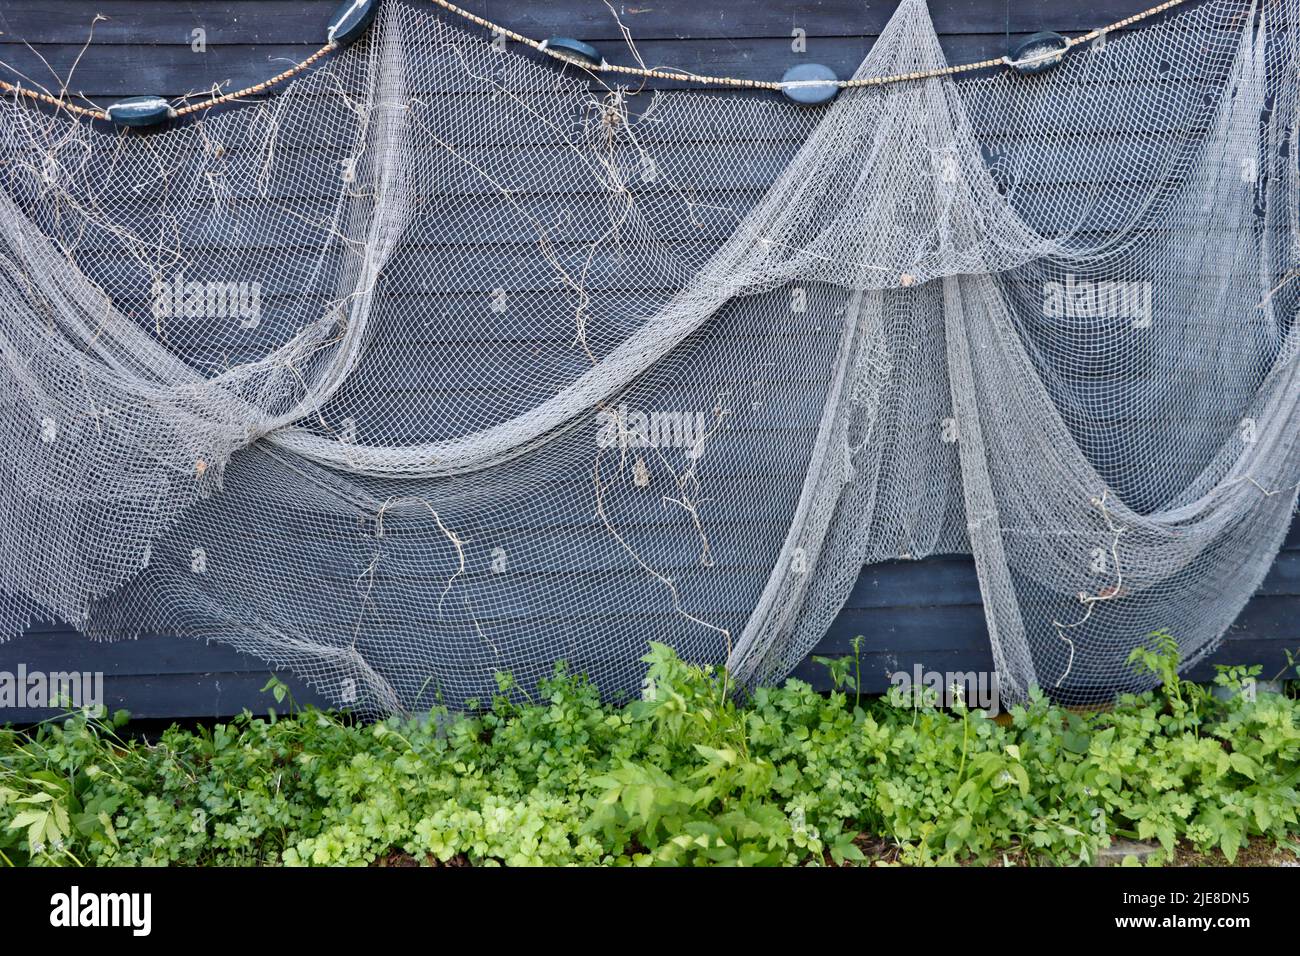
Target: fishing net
442, 363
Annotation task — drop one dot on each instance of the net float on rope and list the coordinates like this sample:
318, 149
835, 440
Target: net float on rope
816, 84
140, 111
350, 21
1038, 52
575, 49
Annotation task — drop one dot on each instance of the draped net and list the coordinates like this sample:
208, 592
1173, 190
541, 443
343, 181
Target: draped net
442, 364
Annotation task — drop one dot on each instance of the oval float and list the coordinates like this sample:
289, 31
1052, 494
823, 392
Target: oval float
575, 49
815, 92
350, 21
140, 111
1038, 50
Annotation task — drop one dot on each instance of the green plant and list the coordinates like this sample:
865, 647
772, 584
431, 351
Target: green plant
687, 775
839, 670
1184, 699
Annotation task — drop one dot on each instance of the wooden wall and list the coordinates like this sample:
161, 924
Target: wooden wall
925, 612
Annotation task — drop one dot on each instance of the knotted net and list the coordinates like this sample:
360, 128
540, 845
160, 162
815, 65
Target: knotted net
441, 364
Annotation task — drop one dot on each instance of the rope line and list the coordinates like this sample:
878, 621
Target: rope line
258, 87
607, 67
54, 101
699, 80
207, 104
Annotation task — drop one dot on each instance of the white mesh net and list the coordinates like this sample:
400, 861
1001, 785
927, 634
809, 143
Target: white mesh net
440, 364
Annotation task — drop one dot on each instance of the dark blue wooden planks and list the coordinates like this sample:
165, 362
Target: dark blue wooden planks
132, 22
911, 612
